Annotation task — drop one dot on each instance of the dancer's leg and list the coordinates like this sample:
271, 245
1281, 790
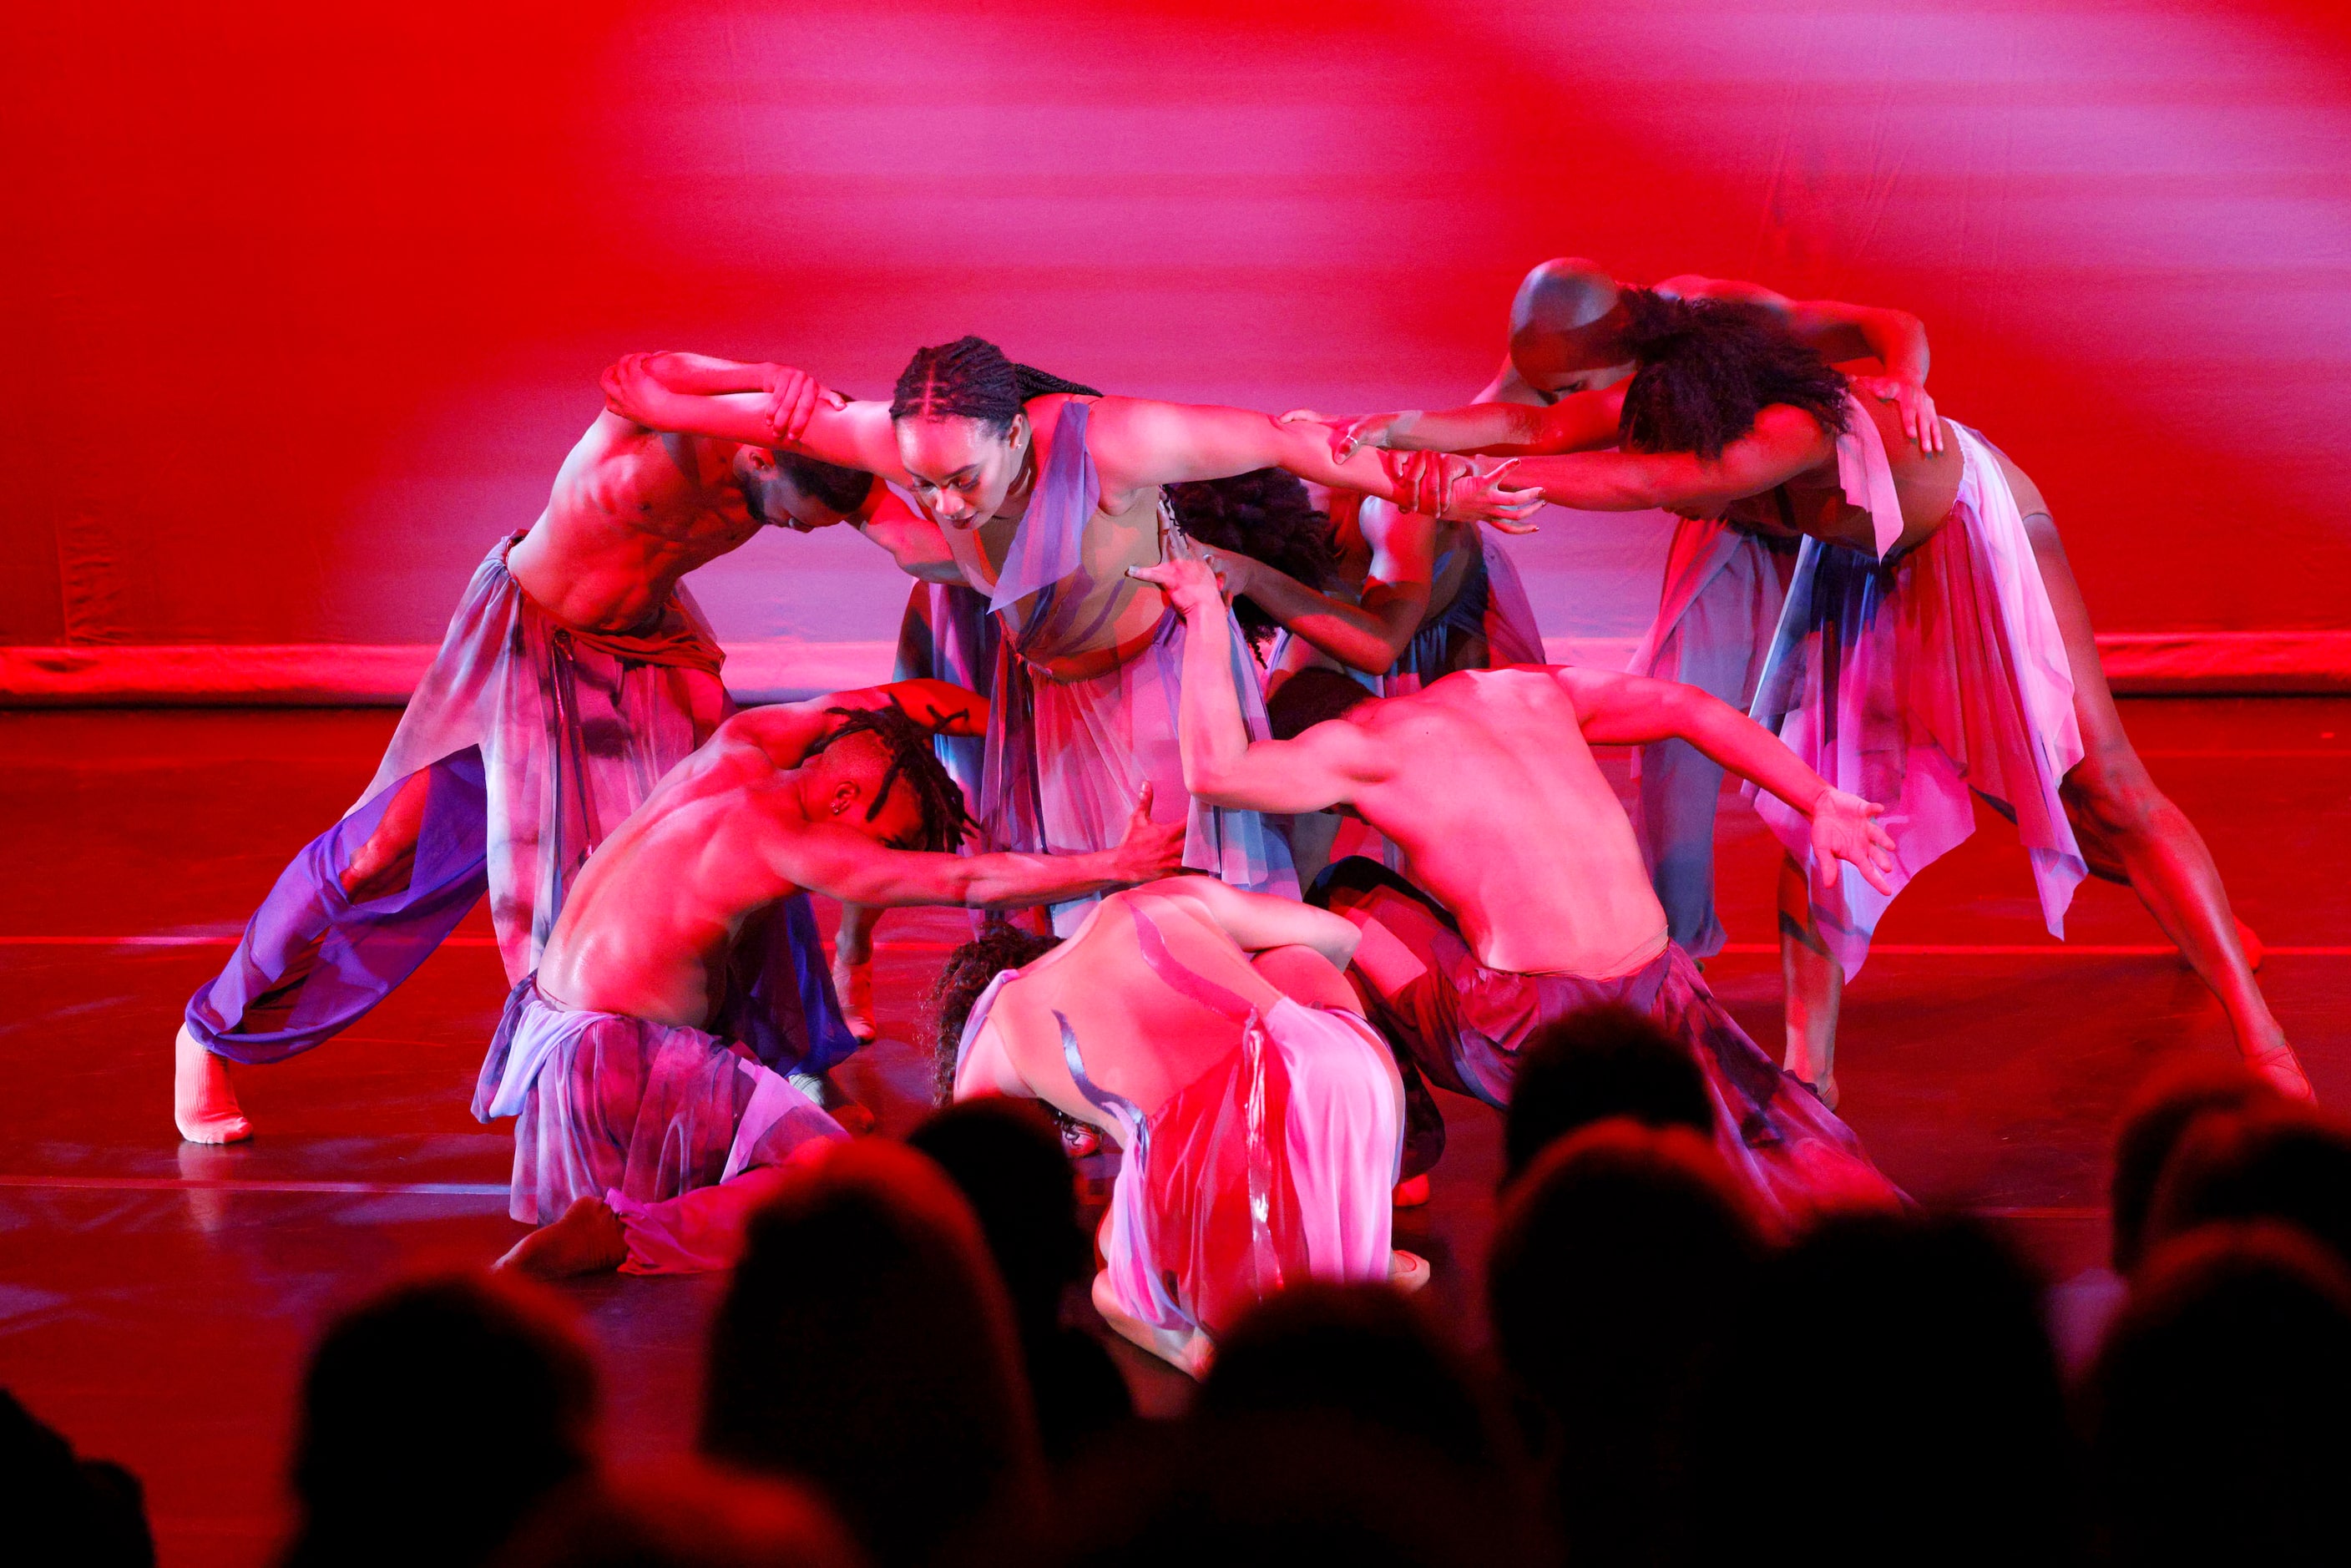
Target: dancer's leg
2110, 792
1814, 985
852, 968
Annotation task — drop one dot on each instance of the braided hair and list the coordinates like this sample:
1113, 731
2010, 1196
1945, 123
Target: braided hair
946, 823
971, 379
1001, 945
1267, 516
1708, 366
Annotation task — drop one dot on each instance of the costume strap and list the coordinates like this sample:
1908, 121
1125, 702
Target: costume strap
1867, 476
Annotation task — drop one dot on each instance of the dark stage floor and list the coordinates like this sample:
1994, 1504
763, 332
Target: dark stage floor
156, 1298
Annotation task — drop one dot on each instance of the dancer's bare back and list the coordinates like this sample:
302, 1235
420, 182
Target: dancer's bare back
1142, 1038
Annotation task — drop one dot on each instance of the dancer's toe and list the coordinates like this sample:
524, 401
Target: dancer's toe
204, 1102
588, 1240
2282, 1071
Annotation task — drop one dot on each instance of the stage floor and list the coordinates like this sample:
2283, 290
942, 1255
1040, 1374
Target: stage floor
157, 1299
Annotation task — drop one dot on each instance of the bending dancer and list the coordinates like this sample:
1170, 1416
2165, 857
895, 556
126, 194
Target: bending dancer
1934, 643
1486, 781
1047, 491
1211, 1034
575, 673
635, 1062
1725, 581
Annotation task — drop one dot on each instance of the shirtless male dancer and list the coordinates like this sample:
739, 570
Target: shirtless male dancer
575, 673
1540, 905
647, 1108
1723, 583
1212, 1035
1047, 492
1934, 642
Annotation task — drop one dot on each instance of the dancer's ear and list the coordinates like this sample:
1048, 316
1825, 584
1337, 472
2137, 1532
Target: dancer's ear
845, 794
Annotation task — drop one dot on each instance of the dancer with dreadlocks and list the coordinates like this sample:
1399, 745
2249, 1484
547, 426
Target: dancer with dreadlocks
576, 672
1047, 492
1934, 644
1724, 581
648, 1104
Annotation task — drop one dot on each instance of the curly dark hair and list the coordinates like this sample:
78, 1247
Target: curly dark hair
1001, 945
1267, 516
972, 379
1708, 366
946, 821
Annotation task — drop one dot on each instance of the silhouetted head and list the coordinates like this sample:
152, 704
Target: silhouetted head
434, 1418
879, 774
2174, 1094
1595, 1063
960, 412
1911, 1353
787, 490
2269, 1159
2216, 1407
1708, 366
1007, 1158
865, 1345
61, 1508
1310, 696
1267, 515
682, 1514
1001, 945
1566, 327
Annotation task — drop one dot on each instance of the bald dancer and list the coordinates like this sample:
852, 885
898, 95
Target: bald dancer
1047, 492
1934, 643
649, 1117
1724, 580
576, 672
1536, 901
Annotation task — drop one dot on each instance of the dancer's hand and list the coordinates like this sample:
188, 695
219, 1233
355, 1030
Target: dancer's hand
1189, 583
1150, 850
1918, 420
629, 387
1347, 435
792, 398
1455, 489
1844, 828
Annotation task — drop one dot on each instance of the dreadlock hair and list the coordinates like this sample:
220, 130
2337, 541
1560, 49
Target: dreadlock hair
842, 489
911, 759
1708, 366
1267, 515
1001, 945
971, 379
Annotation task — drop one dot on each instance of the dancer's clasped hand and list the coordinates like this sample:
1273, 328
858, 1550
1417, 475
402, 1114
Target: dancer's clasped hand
793, 398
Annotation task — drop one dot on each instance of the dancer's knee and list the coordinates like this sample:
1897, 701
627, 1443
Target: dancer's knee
2117, 800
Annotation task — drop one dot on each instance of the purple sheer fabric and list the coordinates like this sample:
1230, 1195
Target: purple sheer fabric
608, 1105
1917, 681
1065, 762
535, 740
948, 635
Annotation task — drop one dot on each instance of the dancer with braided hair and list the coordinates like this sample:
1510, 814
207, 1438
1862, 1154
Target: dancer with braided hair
651, 1114
1047, 493
1934, 643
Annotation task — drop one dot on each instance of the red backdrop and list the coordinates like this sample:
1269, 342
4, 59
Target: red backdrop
307, 304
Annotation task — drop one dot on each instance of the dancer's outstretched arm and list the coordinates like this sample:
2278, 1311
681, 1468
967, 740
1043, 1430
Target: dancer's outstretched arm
1222, 766
842, 863
1260, 921
782, 407
1618, 709
1785, 443
1580, 422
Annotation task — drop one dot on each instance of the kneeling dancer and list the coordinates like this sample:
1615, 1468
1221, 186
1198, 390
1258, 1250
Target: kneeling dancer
1485, 779
636, 1063
1212, 1034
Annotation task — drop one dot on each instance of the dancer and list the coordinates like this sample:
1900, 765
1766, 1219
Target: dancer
1210, 1034
1486, 781
1047, 491
575, 673
1724, 581
1934, 644
638, 1065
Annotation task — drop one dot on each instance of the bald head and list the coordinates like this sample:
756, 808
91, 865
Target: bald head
1564, 324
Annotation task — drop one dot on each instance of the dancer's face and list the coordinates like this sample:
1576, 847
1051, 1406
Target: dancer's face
1561, 361
961, 469
779, 502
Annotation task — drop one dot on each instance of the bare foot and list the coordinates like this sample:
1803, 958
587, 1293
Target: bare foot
1413, 1191
1187, 1350
1825, 1093
2282, 1071
1408, 1271
588, 1240
203, 1101
834, 1102
853, 984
